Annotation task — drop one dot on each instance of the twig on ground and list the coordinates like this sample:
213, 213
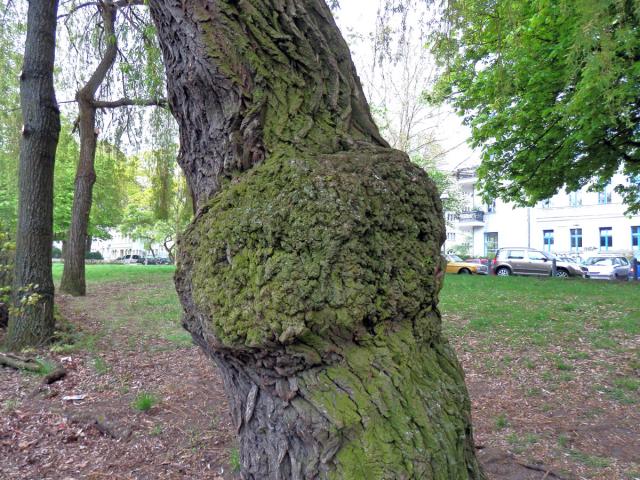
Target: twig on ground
547, 472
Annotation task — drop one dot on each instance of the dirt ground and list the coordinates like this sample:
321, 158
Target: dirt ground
188, 433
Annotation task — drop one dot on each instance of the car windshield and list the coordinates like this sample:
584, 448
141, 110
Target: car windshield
454, 258
598, 261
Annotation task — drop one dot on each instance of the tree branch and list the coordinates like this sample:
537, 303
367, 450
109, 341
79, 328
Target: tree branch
131, 102
117, 4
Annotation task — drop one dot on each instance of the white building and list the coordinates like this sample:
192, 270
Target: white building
118, 246
579, 223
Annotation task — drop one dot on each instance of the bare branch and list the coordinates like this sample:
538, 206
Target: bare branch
131, 102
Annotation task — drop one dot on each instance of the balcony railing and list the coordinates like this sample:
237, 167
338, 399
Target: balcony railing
471, 216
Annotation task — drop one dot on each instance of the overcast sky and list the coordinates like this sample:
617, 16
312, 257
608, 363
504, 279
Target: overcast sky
359, 17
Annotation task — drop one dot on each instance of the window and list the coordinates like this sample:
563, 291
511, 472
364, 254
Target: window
547, 237
575, 200
604, 196
491, 207
451, 217
451, 236
606, 238
490, 243
635, 237
576, 239
537, 256
516, 255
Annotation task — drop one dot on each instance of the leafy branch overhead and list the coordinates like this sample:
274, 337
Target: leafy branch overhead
550, 90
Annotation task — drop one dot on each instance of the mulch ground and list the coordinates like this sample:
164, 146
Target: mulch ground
188, 433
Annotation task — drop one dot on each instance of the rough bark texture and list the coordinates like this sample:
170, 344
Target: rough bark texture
312, 269
7, 257
73, 277
34, 324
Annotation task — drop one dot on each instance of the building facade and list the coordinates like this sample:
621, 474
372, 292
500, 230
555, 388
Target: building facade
118, 246
581, 223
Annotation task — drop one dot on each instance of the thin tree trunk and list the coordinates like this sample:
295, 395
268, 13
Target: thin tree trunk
311, 271
33, 324
73, 275
73, 278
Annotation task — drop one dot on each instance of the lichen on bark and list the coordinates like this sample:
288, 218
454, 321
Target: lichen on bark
311, 271
314, 282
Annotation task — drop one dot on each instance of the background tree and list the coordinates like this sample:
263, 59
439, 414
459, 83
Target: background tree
130, 45
32, 323
397, 69
114, 178
550, 90
160, 205
311, 271
11, 39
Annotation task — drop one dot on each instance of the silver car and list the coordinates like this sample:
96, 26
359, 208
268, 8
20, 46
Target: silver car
606, 267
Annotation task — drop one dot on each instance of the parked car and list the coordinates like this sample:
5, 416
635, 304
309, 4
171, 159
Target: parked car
483, 261
564, 258
132, 259
528, 261
456, 265
608, 267
156, 261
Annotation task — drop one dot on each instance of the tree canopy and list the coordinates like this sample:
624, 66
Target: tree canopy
550, 90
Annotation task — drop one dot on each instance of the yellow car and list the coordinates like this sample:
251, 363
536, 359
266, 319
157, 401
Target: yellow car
456, 265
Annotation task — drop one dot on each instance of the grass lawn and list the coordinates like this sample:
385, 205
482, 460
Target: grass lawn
552, 365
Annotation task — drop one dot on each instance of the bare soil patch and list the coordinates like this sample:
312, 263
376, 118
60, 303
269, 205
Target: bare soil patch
185, 434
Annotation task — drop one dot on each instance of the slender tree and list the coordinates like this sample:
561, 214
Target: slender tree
311, 271
73, 276
32, 322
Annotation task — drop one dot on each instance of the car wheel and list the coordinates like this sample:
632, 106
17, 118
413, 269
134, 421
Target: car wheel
503, 272
464, 271
562, 273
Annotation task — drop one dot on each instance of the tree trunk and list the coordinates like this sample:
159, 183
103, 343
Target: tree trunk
88, 244
311, 271
73, 276
33, 324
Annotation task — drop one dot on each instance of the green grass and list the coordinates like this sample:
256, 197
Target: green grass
145, 401
501, 422
138, 301
46, 366
234, 460
541, 310
590, 460
102, 273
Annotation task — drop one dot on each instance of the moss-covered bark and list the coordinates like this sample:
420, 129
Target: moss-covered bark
312, 269
313, 282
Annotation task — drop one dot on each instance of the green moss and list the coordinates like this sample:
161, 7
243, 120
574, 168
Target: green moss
402, 409
334, 243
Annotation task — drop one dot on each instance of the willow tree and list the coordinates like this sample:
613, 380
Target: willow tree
139, 85
311, 271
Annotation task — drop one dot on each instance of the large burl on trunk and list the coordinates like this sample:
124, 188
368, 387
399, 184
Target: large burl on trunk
311, 271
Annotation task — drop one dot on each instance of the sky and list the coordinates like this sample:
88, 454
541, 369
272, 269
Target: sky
358, 18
